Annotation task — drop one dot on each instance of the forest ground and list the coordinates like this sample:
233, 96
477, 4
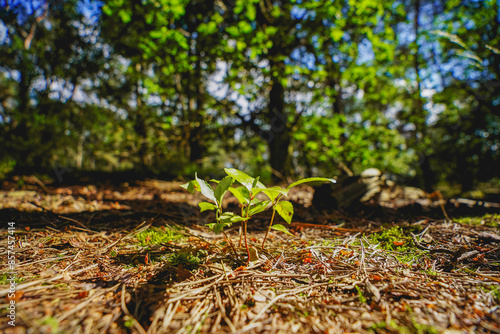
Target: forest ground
137, 258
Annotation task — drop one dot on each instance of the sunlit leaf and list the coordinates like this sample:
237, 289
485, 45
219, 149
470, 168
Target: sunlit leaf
281, 228
243, 178
204, 206
222, 188
271, 192
230, 217
255, 182
205, 189
311, 179
259, 207
107, 10
191, 186
285, 210
241, 193
217, 227
125, 16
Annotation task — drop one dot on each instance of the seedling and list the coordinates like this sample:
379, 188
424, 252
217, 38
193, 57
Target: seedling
246, 195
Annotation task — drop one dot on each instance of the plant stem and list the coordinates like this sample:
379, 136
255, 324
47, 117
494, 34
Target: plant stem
241, 227
269, 228
246, 243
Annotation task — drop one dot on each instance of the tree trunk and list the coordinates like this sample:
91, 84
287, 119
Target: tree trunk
425, 171
279, 136
196, 148
21, 132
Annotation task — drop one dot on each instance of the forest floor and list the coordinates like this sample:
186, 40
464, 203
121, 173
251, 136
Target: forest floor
137, 258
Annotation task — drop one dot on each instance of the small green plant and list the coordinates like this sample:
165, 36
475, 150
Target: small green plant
129, 322
361, 296
246, 195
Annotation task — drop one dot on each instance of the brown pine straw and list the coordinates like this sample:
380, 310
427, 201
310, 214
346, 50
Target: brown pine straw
319, 281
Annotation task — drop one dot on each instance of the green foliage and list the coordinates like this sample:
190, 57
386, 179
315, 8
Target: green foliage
284, 87
246, 195
369, 143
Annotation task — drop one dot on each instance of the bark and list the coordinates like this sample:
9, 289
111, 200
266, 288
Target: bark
196, 147
140, 126
426, 174
279, 135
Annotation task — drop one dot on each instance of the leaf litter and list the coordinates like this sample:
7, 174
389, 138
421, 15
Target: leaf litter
139, 259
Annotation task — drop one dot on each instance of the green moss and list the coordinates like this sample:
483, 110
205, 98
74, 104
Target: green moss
50, 324
492, 220
154, 236
393, 239
186, 259
399, 241
415, 327
494, 290
4, 279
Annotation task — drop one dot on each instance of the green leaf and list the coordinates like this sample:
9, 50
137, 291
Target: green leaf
251, 12
255, 181
243, 178
230, 217
191, 186
107, 10
272, 192
204, 206
311, 179
241, 193
217, 227
336, 34
259, 207
222, 188
244, 27
156, 34
205, 189
233, 31
285, 210
125, 16
281, 228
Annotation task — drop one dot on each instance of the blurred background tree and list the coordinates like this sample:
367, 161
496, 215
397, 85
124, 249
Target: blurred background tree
283, 89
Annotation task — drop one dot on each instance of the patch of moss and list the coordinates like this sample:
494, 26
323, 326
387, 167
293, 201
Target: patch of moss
494, 290
49, 324
492, 220
155, 235
415, 327
186, 259
393, 239
399, 241
4, 279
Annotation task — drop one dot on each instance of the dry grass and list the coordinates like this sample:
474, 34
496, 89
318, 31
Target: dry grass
78, 276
